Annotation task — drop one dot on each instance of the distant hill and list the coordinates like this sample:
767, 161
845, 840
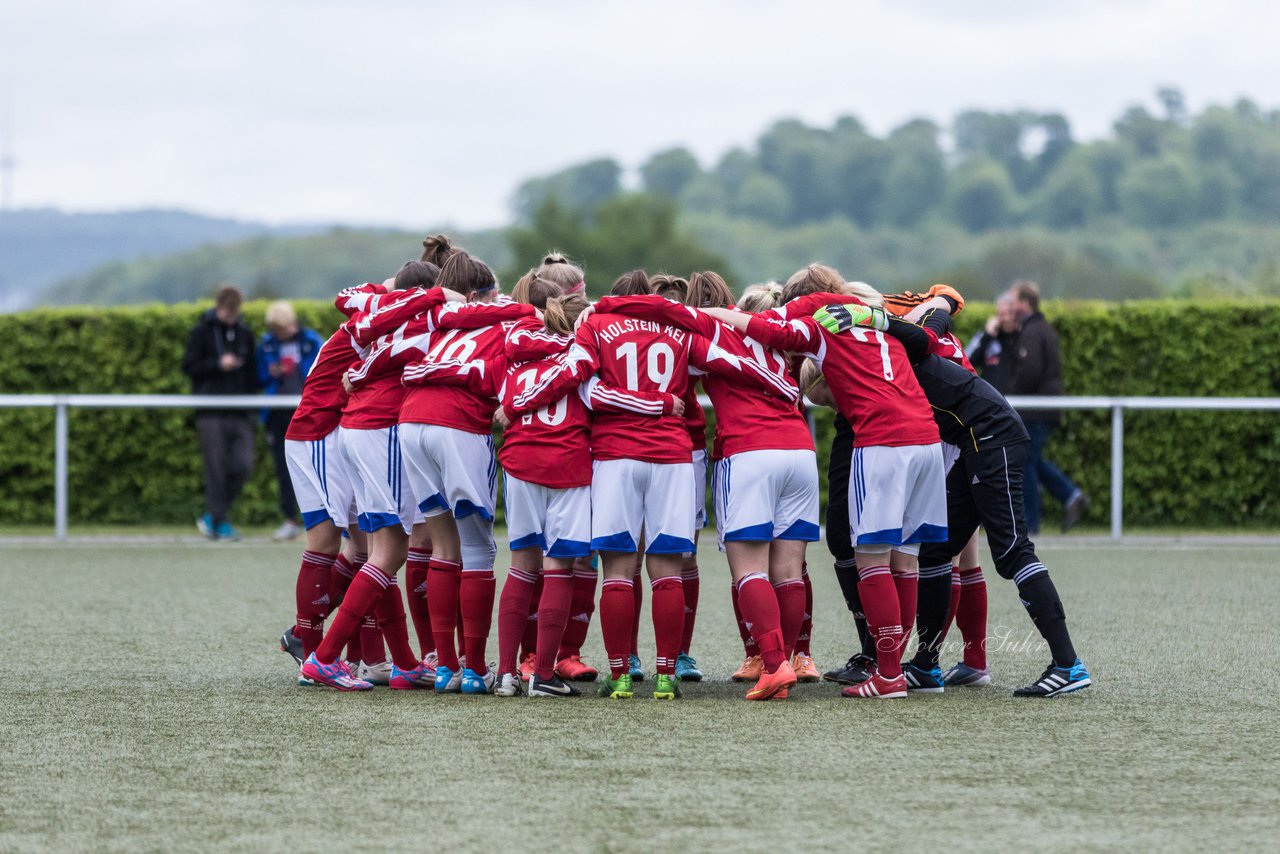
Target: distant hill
41, 246
315, 265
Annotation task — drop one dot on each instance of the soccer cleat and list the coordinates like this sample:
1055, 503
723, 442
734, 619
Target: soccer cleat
508, 685
334, 675
288, 530
431, 660
771, 684
666, 687
923, 681
617, 689
528, 665
964, 676
856, 670
447, 681
687, 668
878, 688
1075, 510
375, 674
752, 667
802, 664
1057, 680
474, 683
574, 669
226, 532
783, 694
292, 644
553, 687
634, 668
304, 681
422, 676
204, 524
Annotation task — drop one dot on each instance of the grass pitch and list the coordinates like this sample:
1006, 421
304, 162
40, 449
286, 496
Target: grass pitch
146, 708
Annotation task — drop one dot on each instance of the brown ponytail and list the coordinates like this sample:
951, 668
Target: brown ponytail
708, 290
437, 248
466, 275
669, 286
634, 283
560, 312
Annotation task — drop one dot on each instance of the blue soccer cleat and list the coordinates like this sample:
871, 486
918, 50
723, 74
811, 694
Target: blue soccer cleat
226, 532
921, 681
634, 668
963, 676
474, 683
1057, 680
447, 681
687, 668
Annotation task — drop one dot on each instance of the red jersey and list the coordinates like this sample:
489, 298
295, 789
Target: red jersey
460, 332
645, 355
547, 441
747, 418
868, 373
950, 348
323, 396
695, 419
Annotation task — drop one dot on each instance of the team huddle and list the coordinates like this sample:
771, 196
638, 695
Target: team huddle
605, 473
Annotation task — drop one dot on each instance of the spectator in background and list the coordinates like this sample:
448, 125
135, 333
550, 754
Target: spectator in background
220, 361
991, 350
1036, 369
285, 355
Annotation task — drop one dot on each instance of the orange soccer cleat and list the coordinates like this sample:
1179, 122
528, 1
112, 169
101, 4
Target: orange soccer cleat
771, 684
802, 664
528, 666
573, 669
750, 670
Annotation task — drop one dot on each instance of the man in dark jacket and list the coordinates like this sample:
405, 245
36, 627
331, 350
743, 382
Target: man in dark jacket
991, 350
220, 361
1036, 369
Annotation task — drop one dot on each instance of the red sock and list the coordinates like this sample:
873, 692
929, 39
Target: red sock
371, 649
759, 604
457, 622
362, 595
668, 620
311, 596
340, 579
637, 590
749, 645
442, 603
907, 585
880, 603
513, 616
529, 643
790, 611
476, 594
689, 578
391, 619
971, 617
806, 625
580, 611
553, 616
617, 612
416, 588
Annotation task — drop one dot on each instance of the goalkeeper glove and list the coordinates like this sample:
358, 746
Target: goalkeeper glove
843, 317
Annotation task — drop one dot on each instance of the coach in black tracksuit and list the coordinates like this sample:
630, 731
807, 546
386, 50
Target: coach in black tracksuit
984, 487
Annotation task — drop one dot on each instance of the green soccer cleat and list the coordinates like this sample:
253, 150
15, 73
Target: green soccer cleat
617, 689
666, 687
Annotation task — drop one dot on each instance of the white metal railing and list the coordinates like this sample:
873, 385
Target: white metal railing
61, 403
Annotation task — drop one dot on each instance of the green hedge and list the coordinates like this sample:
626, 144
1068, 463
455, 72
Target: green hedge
143, 466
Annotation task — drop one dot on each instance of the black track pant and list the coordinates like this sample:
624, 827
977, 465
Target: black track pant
226, 442
985, 488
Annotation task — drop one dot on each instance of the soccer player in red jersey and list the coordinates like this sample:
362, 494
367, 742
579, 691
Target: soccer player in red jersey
765, 480
898, 499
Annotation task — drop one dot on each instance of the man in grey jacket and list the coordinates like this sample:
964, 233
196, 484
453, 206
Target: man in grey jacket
1036, 369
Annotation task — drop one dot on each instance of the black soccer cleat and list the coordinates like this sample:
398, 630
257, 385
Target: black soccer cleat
1057, 680
921, 681
292, 644
856, 670
553, 687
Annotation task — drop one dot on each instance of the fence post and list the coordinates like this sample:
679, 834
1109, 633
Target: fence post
1117, 472
60, 471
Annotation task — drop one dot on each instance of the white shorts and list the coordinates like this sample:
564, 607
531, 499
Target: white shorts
630, 495
558, 521
898, 496
950, 453
378, 478
321, 482
700, 488
450, 470
767, 495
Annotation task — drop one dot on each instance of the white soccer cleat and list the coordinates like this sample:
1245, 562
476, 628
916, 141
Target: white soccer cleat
376, 674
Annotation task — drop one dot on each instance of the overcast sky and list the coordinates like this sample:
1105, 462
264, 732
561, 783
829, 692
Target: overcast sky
417, 113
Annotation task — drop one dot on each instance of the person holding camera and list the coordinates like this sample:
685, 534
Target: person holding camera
220, 361
285, 355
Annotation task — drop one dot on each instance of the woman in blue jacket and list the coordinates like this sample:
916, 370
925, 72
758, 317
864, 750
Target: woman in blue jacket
285, 355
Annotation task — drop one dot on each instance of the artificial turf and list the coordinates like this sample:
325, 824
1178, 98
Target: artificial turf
147, 708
